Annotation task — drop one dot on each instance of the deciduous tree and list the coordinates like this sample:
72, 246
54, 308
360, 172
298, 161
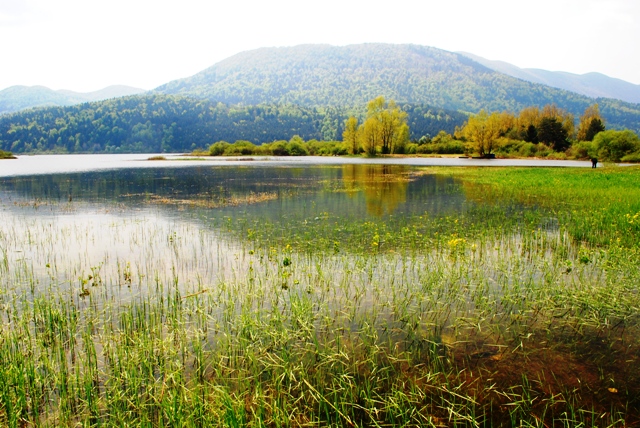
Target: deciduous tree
591, 123
483, 130
350, 135
385, 127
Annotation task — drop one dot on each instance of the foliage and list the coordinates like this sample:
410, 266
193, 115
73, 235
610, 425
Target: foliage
552, 133
442, 143
614, 145
385, 129
510, 148
632, 158
484, 130
591, 123
161, 123
295, 147
218, 148
583, 150
350, 135
6, 155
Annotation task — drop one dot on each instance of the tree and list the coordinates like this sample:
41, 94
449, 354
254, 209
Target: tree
531, 135
443, 137
614, 145
483, 130
595, 127
566, 119
552, 133
385, 127
350, 135
590, 123
369, 135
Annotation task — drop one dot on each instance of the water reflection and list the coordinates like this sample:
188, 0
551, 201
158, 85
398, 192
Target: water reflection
384, 186
61, 228
348, 190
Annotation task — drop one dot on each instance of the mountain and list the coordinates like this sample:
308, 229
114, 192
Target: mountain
595, 85
16, 98
320, 75
275, 93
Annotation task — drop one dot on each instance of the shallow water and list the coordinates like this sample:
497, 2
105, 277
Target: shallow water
56, 164
215, 261
119, 233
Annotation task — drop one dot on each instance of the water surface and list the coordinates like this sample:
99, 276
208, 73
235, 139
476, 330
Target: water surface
55, 164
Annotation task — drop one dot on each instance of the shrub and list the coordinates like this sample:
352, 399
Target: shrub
528, 150
296, 148
411, 148
279, 148
218, 148
241, 147
582, 150
451, 147
6, 155
631, 158
614, 145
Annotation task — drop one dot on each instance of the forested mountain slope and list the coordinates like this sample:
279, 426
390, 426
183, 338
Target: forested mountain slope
167, 123
323, 75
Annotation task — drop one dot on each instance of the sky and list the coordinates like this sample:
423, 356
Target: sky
86, 45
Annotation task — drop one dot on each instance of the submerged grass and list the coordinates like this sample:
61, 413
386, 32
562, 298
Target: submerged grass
521, 310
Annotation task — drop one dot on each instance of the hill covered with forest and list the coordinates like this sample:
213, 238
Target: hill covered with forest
169, 123
324, 75
273, 94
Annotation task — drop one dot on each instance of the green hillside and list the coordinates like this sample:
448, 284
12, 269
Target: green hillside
168, 123
323, 75
275, 93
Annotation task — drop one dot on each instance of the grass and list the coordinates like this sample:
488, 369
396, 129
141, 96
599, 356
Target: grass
6, 155
521, 309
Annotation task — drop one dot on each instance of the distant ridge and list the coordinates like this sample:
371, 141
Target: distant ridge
594, 85
16, 98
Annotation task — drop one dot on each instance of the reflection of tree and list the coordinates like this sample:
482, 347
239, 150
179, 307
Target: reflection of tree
384, 186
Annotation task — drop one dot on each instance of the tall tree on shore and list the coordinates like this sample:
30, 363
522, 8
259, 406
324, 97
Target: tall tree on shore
483, 130
566, 119
385, 128
552, 133
350, 135
590, 124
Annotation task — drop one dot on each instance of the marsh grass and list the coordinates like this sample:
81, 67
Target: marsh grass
504, 314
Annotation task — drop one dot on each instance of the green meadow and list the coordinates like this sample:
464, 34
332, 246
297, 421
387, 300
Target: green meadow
354, 295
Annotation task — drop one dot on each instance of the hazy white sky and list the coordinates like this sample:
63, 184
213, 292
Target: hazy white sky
85, 45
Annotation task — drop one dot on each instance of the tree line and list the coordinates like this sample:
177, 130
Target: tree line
549, 131
168, 123
544, 132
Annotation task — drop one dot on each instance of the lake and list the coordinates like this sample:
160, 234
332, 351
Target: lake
316, 291
53, 164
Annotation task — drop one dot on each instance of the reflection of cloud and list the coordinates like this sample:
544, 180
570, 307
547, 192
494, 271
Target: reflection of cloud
384, 186
14, 12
